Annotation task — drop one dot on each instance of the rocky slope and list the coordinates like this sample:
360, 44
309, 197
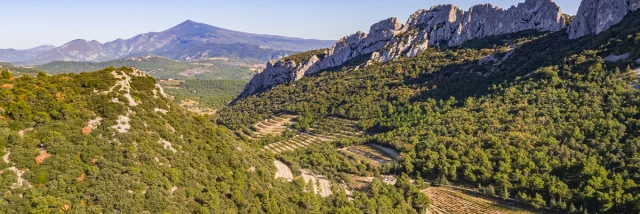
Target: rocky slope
187, 41
129, 114
595, 16
443, 25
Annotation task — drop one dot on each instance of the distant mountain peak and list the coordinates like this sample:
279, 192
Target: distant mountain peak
189, 21
188, 40
188, 24
43, 47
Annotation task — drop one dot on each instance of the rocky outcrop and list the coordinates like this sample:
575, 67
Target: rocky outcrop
389, 39
595, 16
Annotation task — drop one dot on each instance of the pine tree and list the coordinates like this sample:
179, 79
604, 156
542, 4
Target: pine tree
572, 208
5, 75
491, 190
505, 193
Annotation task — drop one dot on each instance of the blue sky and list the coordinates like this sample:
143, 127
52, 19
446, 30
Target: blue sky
29, 23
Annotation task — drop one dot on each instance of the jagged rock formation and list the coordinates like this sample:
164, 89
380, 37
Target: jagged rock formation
595, 16
389, 39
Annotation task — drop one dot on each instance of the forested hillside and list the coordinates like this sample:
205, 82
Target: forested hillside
163, 68
548, 121
214, 94
111, 142
16, 69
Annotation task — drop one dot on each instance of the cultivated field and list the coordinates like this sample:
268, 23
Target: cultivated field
371, 153
272, 126
337, 127
359, 182
299, 141
283, 171
319, 133
447, 200
321, 185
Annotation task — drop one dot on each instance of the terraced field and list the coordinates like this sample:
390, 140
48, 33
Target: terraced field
359, 182
283, 171
337, 127
387, 150
447, 200
272, 126
321, 185
371, 153
319, 133
299, 141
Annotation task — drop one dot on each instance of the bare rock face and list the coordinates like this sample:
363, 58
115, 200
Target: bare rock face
595, 16
389, 39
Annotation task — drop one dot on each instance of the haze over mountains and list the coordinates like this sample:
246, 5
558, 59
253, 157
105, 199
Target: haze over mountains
187, 41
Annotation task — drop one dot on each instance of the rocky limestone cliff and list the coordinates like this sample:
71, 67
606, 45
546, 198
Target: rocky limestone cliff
595, 16
389, 39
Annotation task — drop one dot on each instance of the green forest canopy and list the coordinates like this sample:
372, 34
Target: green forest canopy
164, 161
554, 125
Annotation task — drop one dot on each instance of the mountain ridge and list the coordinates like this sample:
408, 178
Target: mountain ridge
441, 25
188, 40
16, 55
